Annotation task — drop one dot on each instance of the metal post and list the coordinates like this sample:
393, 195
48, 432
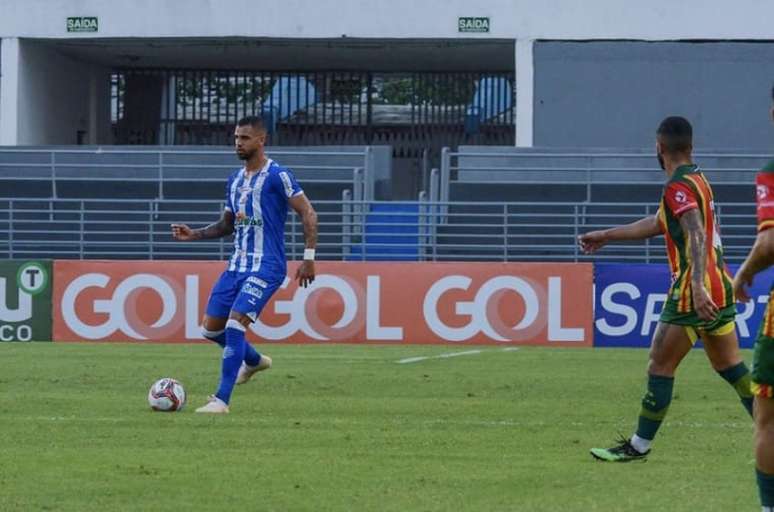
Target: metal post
370, 181
81, 231
53, 176
434, 186
161, 175
10, 229
445, 174
505, 232
150, 230
575, 233
425, 167
53, 186
422, 199
588, 179
435, 190
362, 230
346, 221
358, 196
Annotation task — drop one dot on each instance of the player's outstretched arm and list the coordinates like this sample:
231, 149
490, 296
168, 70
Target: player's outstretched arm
693, 227
224, 227
300, 203
760, 258
593, 241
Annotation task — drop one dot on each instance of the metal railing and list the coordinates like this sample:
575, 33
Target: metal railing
158, 170
498, 167
348, 230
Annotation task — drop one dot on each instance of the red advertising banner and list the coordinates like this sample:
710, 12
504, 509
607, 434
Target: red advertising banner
419, 303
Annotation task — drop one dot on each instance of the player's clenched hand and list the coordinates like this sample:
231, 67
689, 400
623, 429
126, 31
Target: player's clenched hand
305, 273
703, 304
740, 288
182, 232
592, 241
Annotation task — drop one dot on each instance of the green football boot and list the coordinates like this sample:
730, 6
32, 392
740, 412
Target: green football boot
622, 452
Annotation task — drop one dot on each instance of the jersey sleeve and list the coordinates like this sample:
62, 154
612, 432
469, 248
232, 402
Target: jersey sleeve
680, 198
290, 186
229, 206
764, 191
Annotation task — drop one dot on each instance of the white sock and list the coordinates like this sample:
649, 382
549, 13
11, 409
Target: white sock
640, 444
767, 509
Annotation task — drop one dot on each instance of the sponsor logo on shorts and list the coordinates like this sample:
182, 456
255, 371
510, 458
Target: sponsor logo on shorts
252, 290
257, 281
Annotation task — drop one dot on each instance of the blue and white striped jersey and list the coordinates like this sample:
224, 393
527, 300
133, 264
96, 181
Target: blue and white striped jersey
260, 207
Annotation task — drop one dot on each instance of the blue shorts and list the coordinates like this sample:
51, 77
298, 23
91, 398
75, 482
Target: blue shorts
243, 292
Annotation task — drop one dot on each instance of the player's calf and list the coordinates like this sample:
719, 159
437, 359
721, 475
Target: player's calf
738, 376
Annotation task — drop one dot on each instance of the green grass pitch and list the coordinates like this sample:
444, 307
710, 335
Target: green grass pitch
347, 428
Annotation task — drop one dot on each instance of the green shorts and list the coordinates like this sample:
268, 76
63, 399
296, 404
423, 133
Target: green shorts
670, 315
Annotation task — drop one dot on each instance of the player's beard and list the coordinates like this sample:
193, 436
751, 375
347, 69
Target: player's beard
247, 155
661, 161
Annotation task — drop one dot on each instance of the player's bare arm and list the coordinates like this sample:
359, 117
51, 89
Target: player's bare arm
219, 229
760, 258
593, 241
693, 227
302, 206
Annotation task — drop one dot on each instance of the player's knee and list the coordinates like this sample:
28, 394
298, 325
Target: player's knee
234, 323
764, 416
660, 366
243, 319
210, 335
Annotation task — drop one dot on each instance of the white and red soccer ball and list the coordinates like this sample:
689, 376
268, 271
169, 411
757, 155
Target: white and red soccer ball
166, 395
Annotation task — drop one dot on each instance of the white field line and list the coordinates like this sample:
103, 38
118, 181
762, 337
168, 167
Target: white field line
409, 360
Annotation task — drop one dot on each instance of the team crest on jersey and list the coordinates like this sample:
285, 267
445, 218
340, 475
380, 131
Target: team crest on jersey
680, 196
762, 191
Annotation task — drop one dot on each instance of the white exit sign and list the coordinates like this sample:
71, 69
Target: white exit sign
473, 24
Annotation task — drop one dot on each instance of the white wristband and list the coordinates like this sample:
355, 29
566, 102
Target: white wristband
308, 254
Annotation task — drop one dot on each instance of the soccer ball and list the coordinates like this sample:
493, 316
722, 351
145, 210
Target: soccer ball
166, 395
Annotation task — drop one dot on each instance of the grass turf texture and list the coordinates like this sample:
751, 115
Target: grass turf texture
346, 428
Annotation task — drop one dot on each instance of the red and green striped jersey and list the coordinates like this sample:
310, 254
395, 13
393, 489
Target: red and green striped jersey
764, 198
688, 190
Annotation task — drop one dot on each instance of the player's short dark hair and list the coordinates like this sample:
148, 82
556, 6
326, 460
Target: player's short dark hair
254, 121
676, 134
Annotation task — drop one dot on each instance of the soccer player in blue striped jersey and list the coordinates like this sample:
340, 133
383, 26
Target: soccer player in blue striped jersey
257, 200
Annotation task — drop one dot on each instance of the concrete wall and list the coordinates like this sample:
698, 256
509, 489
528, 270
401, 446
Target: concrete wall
517, 19
614, 94
59, 98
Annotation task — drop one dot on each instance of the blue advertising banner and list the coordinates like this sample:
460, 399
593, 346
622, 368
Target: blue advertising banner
628, 300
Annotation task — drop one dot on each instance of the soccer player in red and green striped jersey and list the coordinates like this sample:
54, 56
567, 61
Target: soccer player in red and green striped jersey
700, 301
761, 257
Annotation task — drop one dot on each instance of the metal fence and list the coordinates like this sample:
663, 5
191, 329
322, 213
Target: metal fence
178, 106
170, 173
349, 230
482, 168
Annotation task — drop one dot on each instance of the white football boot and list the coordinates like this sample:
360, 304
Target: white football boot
246, 372
214, 405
